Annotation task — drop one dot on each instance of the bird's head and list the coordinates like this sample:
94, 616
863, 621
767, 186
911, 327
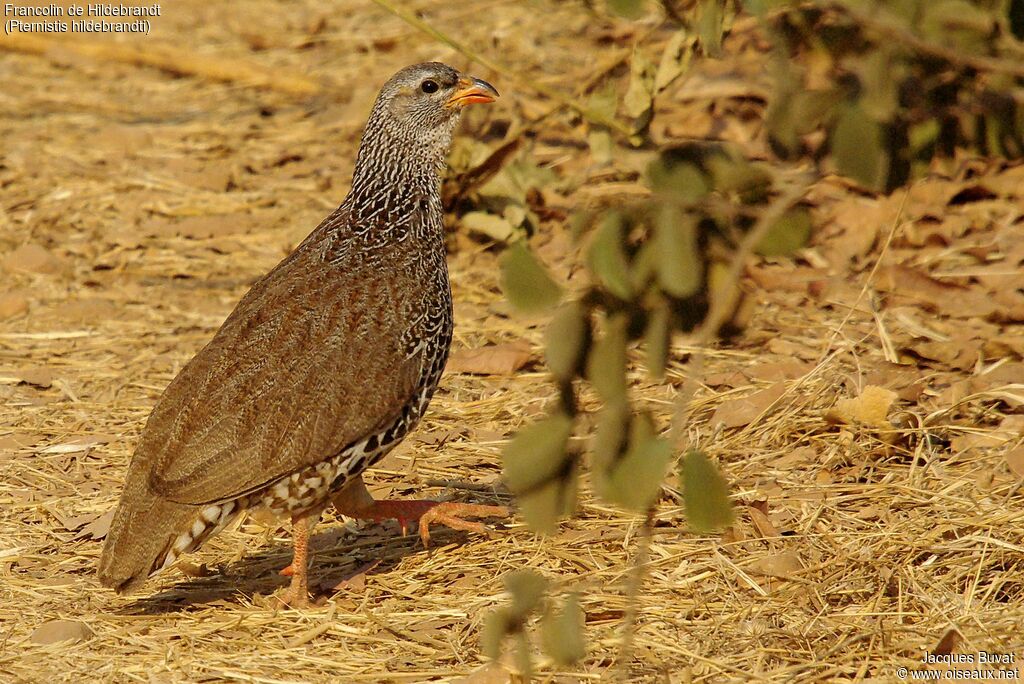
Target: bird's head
420, 105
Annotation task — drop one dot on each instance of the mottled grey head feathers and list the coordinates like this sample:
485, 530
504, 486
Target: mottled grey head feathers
410, 128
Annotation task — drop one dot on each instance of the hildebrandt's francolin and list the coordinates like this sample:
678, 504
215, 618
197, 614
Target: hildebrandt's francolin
322, 368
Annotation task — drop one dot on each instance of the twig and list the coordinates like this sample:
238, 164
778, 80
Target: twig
889, 30
636, 582
551, 93
723, 303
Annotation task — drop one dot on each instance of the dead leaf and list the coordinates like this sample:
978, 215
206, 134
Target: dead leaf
86, 310
745, 410
778, 370
190, 569
975, 440
497, 359
356, 580
37, 377
948, 643
492, 673
12, 304
55, 631
800, 455
727, 379
1015, 459
32, 258
762, 523
778, 565
870, 408
904, 283
98, 528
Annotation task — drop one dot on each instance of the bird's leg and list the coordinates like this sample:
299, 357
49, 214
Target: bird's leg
297, 594
356, 502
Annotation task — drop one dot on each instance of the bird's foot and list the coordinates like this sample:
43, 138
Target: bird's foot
447, 513
450, 513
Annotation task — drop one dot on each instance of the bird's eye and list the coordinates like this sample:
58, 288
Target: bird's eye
429, 86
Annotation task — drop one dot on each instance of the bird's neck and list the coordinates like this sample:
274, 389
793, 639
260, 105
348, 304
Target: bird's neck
395, 172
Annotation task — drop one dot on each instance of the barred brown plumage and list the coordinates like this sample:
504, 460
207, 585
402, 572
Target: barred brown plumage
324, 365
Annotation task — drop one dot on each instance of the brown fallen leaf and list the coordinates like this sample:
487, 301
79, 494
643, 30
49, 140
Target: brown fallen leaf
800, 455
778, 565
38, 377
55, 631
728, 379
762, 523
778, 370
1015, 459
903, 283
34, 259
743, 411
492, 673
978, 440
354, 581
12, 304
98, 528
870, 408
948, 643
497, 359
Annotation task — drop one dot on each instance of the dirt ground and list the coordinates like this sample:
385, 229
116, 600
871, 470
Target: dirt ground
140, 200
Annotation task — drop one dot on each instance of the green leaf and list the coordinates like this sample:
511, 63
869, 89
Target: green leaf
566, 341
608, 257
675, 59
543, 507
709, 26
858, 148
497, 625
526, 283
683, 182
880, 82
635, 481
630, 9
705, 494
638, 102
657, 339
497, 228
561, 632
679, 268
610, 435
958, 24
922, 136
606, 365
602, 149
789, 233
537, 453
527, 588
750, 182
524, 661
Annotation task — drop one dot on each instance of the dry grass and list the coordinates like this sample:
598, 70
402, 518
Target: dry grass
163, 198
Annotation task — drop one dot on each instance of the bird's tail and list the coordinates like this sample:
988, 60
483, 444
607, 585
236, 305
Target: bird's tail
143, 532
149, 533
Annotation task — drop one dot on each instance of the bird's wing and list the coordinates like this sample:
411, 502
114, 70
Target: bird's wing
313, 358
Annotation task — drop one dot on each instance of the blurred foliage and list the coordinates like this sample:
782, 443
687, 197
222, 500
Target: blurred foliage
874, 90
561, 625
657, 266
653, 265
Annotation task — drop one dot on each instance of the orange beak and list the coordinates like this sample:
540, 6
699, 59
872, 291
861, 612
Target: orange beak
472, 91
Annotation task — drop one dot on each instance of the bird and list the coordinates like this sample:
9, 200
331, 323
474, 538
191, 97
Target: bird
322, 368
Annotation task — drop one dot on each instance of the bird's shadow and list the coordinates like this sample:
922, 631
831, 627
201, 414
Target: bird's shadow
341, 557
